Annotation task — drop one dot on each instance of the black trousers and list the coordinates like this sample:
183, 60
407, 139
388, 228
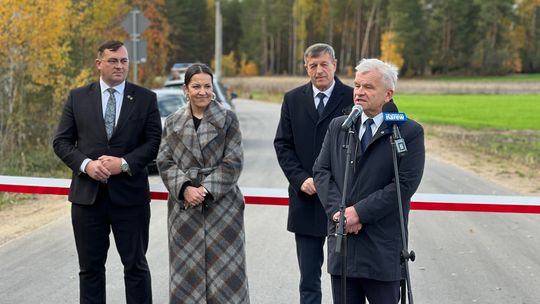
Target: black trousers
130, 226
310, 253
358, 289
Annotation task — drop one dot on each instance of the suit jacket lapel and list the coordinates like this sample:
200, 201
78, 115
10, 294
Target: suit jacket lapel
334, 100
312, 111
383, 130
94, 97
128, 104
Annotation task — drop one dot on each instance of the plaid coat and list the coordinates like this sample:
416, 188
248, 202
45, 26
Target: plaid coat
206, 244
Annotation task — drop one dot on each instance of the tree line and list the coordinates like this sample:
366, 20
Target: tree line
50, 47
422, 37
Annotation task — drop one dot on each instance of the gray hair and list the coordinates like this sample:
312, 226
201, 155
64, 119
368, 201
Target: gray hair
318, 49
388, 71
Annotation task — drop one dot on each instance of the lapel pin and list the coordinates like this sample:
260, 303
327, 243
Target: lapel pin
130, 97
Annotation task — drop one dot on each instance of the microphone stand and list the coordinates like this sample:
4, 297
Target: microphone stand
341, 233
398, 147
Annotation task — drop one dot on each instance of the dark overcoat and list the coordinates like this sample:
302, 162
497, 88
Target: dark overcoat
374, 252
206, 243
298, 140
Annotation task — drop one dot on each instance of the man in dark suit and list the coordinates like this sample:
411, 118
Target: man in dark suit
305, 115
372, 214
108, 133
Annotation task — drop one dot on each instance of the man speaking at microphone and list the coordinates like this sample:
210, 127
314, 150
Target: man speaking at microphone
372, 215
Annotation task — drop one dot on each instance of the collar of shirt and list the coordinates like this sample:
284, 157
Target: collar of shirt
119, 88
328, 93
377, 122
119, 96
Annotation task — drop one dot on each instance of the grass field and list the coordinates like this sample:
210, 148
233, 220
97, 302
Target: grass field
504, 126
495, 118
512, 77
503, 112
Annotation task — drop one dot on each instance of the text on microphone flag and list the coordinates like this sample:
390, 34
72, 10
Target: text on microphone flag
395, 117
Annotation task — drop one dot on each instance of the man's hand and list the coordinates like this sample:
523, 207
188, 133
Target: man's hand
352, 223
96, 170
193, 196
112, 163
308, 186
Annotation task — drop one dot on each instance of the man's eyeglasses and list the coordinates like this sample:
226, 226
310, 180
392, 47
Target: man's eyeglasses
114, 61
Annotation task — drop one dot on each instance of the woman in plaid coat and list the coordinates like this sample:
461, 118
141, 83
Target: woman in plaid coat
200, 160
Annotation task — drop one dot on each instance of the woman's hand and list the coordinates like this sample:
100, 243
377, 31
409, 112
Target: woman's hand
193, 196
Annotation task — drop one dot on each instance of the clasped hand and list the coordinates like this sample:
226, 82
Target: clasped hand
308, 186
352, 223
103, 167
194, 196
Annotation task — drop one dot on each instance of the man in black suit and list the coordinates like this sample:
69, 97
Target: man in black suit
305, 115
374, 236
108, 133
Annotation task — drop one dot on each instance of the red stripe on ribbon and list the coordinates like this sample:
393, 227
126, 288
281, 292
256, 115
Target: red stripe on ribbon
266, 200
474, 207
283, 201
34, 189
159, 195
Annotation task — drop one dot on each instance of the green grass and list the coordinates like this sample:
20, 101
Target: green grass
503, 112
512, 77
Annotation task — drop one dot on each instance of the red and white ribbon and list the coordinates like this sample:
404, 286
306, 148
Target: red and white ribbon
269, 196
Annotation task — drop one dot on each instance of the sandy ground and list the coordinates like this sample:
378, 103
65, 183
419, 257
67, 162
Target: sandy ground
25, 216
512, 174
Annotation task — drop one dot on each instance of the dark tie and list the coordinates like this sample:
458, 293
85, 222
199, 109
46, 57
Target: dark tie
110, 113
366, 138
320, 106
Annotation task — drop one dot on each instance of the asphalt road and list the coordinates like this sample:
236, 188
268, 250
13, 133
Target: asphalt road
461, 257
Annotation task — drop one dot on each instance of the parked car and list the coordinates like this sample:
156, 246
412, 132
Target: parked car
169, 100
176, 80
219, 89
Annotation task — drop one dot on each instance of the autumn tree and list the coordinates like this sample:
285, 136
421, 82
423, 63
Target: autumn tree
494, 53
389, 49
92, 25
453, 33
34, 38
302, 9
191, 35
409, 25
529, 13
157, 41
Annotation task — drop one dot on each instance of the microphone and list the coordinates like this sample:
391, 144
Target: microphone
352, 118
392, 116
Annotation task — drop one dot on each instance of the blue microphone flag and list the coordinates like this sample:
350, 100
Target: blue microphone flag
394, 117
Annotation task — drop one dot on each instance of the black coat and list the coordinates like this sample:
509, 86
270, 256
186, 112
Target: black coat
374, 252
81, 134
298, 140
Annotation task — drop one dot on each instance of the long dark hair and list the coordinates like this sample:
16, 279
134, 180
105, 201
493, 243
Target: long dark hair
197, 68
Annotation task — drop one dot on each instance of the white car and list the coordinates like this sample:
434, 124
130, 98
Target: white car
169, 100
219, 90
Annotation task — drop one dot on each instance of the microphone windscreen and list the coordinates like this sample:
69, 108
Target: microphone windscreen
357, 107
